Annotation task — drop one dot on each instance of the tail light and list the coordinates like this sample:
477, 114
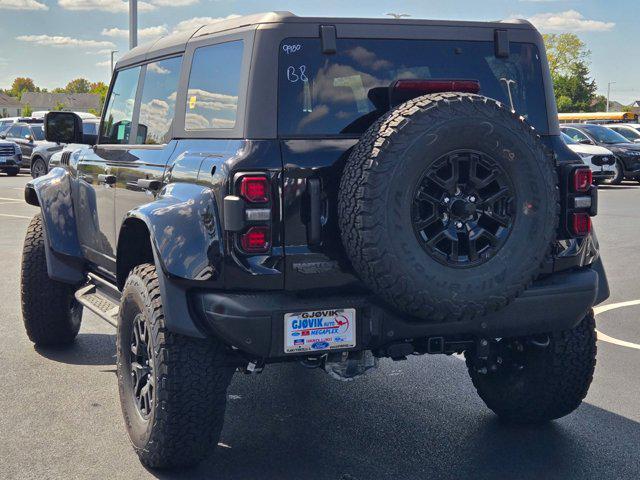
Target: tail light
582, 179
580, 224
255, 189
255, 240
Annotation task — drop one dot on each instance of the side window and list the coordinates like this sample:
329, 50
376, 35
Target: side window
14, 132
214, 82
577, 135
116, 127
158, 102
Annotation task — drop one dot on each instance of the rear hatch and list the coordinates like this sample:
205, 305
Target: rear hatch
326, 102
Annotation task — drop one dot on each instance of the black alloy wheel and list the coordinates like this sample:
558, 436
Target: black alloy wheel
141, 367
463, 208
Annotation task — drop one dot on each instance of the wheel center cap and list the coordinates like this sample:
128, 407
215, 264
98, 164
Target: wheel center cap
462, 209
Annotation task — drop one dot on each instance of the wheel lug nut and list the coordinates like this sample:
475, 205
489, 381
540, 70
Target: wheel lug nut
459, 224
472, 198
446, 199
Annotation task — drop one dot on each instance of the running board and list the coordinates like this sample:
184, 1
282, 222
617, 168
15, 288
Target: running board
100, 297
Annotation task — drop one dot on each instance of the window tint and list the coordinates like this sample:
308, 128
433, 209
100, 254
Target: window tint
346, 92
119, 113
90, 128
38, 132
158, 101
212, 97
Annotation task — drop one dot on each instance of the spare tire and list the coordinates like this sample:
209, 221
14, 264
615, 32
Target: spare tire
448, 206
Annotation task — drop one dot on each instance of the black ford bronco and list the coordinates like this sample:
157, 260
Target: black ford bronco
329, 191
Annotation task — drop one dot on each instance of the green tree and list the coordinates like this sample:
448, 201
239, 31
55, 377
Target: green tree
79, 85
564, 104
27, 110
59, 107
569, 65
21, 85
99, 88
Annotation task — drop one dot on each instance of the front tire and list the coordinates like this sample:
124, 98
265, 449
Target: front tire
619, 174
50, 311
13, 172
172, 387
38, 168
536, 384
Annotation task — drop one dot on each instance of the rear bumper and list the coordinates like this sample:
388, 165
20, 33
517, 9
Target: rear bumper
253, 322
11, 163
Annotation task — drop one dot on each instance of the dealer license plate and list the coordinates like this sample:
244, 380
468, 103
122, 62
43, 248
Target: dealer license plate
319, 330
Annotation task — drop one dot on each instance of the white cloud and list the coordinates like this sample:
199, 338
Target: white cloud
195, 22
156, 68
106, 63
144, 33
59, 41
22, 5
569, 21
113, 6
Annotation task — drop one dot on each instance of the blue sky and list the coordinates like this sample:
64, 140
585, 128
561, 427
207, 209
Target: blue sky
54, 41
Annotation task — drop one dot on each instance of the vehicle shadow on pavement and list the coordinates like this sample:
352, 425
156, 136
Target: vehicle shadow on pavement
406, 421
88, 349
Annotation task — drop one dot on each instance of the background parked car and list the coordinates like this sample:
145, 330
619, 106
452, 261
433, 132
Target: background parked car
28, 136
629, 132
600, 160
10, 157
41, 156
627, 153
7, 122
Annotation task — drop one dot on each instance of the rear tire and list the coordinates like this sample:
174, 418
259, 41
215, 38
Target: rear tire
552, 382
50, 311
172, 387
13, 172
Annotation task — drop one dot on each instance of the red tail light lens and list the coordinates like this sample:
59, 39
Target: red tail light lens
582, 179
580, 224
255, 189
255, 240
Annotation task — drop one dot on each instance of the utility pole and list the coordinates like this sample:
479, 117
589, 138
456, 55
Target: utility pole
609, 93
112, 52
133, 23
398, 16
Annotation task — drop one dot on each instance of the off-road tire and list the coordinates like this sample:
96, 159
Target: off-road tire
190, 382
552, 383
50, 312
375, 190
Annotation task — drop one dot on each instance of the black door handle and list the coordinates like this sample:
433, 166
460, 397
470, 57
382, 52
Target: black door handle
151, 185
107, 179
314, 226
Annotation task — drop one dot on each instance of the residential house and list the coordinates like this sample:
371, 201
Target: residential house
73, 102
9, 106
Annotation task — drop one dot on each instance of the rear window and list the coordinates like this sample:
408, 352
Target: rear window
333, 94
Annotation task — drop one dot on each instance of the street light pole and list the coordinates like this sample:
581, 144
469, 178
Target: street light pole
112, 52
609, 93
133, 23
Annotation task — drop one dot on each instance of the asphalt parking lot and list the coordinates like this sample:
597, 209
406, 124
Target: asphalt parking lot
60, 414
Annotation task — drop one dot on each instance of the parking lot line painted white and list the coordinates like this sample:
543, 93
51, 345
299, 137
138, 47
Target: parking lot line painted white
18, 200
607, 338
14, 216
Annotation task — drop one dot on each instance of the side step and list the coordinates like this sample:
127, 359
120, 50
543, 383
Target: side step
101, 297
